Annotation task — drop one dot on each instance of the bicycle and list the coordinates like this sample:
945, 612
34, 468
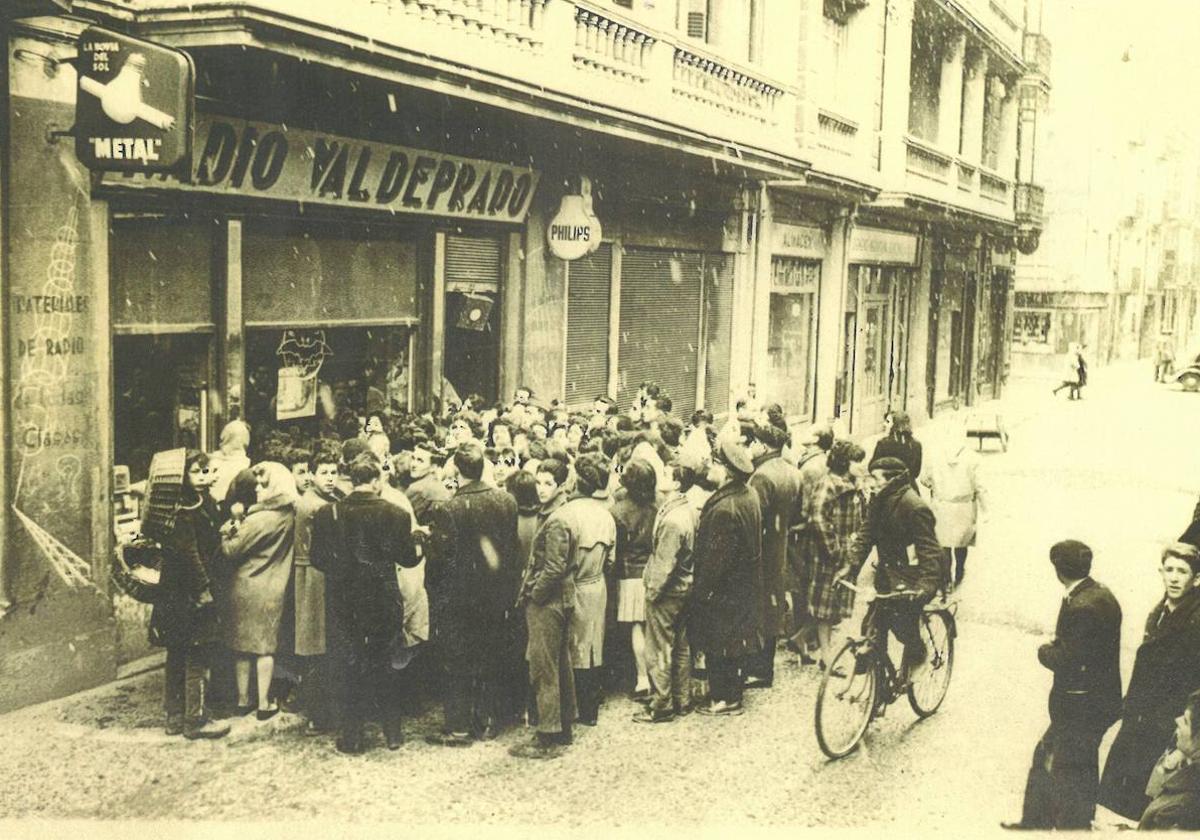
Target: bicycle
861, 681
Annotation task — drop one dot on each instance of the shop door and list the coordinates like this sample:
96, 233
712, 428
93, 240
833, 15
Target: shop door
875, 348
472, 331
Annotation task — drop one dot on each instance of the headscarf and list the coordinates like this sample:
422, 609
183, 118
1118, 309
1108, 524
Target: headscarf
235, 435
279, 491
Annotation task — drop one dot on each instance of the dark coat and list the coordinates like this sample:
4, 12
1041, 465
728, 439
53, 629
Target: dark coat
1165, 672
473, 571
900, 526
1085, 657
1178, 805
726, 609
184, 613
778, 486
635, 537
909, 452
358, 543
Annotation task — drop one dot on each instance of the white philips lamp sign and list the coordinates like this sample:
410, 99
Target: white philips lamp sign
575, 231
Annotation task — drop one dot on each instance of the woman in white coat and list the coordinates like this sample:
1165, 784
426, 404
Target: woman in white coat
957, 498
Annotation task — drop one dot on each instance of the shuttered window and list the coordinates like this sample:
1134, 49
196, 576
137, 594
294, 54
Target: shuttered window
660, 324
588, 288
718, 313
473, 263
161, 274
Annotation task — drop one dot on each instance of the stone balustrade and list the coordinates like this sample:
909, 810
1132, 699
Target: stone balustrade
700, 78
608, 46
837, 134
518, 22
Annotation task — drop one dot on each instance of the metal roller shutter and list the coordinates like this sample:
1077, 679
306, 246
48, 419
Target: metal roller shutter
588, 287
473, 260
718, 313
660, 324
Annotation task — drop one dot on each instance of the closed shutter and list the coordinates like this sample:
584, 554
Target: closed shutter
473, 263
718, 312
588, 287
660, 320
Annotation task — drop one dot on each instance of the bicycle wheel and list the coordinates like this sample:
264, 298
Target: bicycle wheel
845, 700
927, 691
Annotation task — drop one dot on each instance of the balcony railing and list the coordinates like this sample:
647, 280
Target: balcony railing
1030, 204
1037, 53
995, 188
517, 21
927, 162
837, 134
704, 79
609, 47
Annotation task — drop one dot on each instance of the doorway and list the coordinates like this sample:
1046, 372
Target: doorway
471, 344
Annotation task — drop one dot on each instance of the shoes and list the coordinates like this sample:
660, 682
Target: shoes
654, 716
641, 694
449, 739
174, 725
1018, 826
591, 721
242, 711
757, 682
538, 749
489, 733
791, 646
721, 708
684, 710
266, 714
394, 735
349, 745
210, 730
313, 729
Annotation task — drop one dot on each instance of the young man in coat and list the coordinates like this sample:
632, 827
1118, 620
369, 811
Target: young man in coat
472, 576
1085, 699
1165, 672
725, 619
778, 486
900, 526
358, 542
1174, 787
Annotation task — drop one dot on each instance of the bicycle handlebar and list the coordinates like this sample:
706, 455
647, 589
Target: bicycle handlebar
901, 595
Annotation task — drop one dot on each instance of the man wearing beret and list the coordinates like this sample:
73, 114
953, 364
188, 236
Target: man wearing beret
1085, 699
900, 526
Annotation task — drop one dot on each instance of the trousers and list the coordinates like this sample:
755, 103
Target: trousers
668, 659
185, 684
368, 687
589, 692
1061, 790
724, 677
550, 671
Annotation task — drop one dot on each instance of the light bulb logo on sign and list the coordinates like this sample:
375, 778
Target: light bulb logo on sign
133, 112
575, 231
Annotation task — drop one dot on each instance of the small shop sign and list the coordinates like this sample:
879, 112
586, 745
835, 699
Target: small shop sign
133, 111
873, 245
575, 231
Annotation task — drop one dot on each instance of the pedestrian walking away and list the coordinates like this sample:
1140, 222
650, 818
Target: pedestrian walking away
957, 497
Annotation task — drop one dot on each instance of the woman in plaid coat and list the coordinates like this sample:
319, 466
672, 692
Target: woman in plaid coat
836, 514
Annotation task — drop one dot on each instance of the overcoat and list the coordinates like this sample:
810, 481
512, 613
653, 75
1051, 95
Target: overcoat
178, 619
1165, 672
358, 543
725, 616
900, 526
472, 573
260, 549
955, 495
308, 583
778, 486
908, 451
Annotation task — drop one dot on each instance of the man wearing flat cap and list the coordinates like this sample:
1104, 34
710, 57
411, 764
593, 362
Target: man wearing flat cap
725, 620
1085, 700
900, 526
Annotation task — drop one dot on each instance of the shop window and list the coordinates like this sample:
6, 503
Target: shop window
791, 326
160, 397
1031, 327
161, 272
314, 380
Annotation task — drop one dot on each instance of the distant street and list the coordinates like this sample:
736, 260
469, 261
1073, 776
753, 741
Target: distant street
1118, 470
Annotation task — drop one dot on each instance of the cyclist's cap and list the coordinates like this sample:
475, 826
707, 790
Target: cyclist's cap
891, 467
733, 455
1071, 558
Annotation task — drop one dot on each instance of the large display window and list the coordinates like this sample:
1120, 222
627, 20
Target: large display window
792, 326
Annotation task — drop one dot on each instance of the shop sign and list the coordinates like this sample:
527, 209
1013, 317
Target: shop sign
871, 245
133, 110
274, 161
575, 231
805, 241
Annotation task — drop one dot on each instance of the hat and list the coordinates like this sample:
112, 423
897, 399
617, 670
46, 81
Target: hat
770, 434
891, 467
352, 448
732, 454
1071, 558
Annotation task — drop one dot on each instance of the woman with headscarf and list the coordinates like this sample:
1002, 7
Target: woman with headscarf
259, 547
898, 442
230, 459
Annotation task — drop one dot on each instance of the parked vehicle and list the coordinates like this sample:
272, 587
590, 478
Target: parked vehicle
1188, 375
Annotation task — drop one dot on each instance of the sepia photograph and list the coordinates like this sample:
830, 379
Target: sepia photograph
647, 418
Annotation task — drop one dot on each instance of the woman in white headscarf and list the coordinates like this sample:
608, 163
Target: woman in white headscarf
259, 547
957, 498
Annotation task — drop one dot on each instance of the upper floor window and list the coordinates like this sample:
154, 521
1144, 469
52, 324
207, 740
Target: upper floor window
692, 17
735, 28
925, 80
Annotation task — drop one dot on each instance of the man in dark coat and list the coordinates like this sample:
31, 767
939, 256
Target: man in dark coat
1165, 672
778, 486
900, 526
472, 575
1085, 700
1174, 787
358, 542
427, 490
727, 590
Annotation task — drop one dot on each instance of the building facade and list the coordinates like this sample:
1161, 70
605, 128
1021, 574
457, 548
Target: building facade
820, 197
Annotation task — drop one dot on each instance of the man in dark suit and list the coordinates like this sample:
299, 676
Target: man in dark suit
358, 542
473, 573
1085, 700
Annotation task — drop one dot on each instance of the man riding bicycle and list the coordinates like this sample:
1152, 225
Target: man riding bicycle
899, 525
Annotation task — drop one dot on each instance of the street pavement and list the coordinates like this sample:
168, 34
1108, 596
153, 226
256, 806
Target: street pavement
1118, 470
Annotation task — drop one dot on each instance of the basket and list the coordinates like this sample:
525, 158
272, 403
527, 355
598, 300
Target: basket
137, 570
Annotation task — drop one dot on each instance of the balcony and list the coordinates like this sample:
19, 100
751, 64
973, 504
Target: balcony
611, 61
1030, 205
935, 175
1037, 53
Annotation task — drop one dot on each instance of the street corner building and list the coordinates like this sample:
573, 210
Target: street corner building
417, 200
